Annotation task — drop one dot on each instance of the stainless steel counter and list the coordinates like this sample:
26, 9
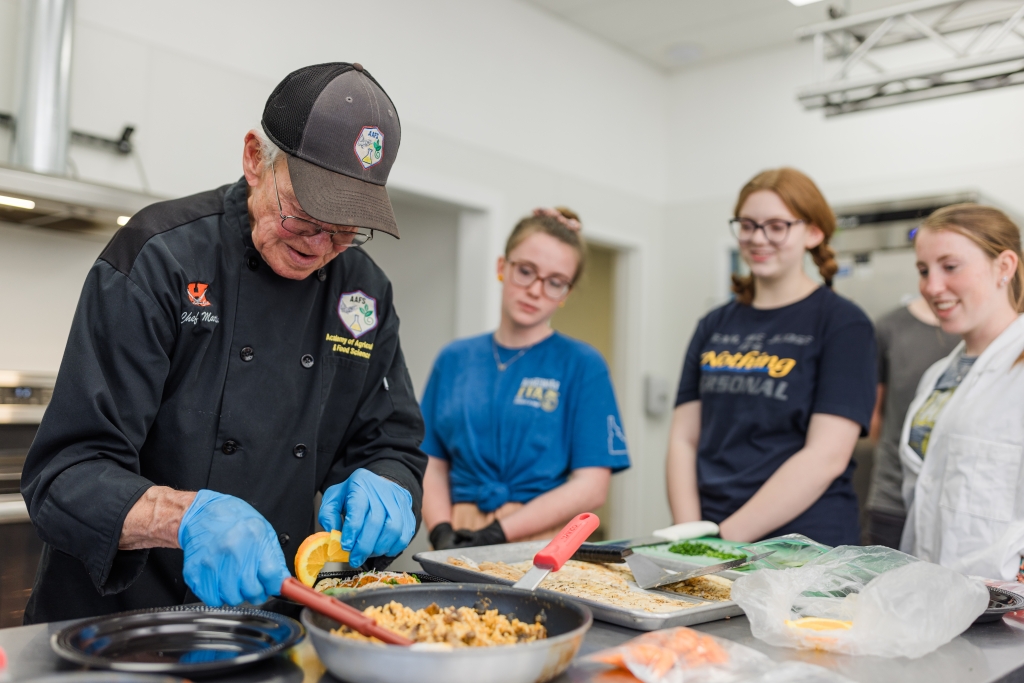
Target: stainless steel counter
984, 654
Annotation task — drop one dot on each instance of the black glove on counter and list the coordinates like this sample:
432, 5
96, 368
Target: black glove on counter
443, 537
489, 535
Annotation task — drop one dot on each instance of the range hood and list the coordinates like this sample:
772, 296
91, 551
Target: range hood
66, 204
34, 187
887, 225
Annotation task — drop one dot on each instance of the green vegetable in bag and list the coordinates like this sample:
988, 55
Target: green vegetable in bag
698, 549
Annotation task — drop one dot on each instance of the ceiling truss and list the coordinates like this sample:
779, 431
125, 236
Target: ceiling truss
915, 51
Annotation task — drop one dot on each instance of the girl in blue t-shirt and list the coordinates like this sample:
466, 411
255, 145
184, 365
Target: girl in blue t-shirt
776, 385
522, 428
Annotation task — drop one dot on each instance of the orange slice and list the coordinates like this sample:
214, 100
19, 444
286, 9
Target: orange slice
315, 551
334, 547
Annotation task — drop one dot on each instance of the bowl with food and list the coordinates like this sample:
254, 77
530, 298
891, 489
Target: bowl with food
338, 583
475, 632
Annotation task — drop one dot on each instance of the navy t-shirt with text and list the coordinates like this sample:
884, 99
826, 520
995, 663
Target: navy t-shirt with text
760, 375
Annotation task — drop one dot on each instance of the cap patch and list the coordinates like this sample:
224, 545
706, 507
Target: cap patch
369, 146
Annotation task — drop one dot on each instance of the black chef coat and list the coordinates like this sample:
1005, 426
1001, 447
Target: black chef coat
191, 364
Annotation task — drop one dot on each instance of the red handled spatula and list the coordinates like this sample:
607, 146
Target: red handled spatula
560, 549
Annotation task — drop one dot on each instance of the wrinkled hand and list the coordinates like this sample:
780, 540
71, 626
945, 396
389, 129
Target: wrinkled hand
442, 537
492, 534
232, 554
378, 516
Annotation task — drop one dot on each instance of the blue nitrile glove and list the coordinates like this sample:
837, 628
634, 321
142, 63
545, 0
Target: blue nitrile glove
232, 554
378, 516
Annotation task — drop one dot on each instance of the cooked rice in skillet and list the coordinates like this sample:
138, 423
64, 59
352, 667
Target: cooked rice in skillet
458, 627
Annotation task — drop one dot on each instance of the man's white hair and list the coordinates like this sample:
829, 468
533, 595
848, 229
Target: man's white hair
268, 150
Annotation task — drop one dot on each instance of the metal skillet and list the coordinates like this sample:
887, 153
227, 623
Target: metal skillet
358, 661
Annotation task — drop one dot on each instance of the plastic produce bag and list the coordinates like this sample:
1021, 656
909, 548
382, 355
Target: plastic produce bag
791, 550
683, 655
861, 601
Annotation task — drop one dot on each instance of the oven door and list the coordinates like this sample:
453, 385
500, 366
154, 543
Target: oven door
19, 545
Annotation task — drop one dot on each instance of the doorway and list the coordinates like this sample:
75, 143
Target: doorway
589, 315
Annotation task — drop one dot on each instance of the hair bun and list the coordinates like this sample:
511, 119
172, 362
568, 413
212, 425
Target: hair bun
567, 217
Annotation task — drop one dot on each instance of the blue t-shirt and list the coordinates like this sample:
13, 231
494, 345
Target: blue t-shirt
512, 435
760, 375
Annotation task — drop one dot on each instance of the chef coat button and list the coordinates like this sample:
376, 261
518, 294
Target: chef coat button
229, 447
321, 274
299, 451
283, 539
307, 361
246, 354
252, 262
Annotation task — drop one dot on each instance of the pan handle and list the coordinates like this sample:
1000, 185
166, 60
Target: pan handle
602, 554
567, 542
339, 611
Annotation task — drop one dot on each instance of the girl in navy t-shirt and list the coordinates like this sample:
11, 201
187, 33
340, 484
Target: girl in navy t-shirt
522, 428
778, 384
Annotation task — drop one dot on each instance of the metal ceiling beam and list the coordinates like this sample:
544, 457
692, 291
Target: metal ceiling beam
959, 52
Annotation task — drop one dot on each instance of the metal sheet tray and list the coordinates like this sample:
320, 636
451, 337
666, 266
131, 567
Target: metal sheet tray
436, 562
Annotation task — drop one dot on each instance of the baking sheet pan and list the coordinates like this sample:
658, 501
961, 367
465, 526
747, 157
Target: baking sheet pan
436, 562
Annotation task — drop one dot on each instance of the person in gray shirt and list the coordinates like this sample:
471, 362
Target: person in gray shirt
909, 341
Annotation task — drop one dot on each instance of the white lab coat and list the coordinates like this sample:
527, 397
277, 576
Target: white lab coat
966, 498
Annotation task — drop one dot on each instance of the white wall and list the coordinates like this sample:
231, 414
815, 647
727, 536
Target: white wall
503, 109
41, 272
497, 75
734, 118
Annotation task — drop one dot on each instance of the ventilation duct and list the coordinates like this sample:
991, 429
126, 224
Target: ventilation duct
43, 86
35, 189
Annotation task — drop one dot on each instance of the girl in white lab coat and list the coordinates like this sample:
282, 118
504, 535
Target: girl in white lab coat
962, 444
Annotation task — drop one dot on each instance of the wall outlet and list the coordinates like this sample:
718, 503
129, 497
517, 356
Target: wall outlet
656, 396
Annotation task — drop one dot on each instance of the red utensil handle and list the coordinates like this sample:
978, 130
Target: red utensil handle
339, 611
567, 542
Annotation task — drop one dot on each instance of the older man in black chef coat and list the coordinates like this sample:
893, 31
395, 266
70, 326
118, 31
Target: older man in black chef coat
233, 353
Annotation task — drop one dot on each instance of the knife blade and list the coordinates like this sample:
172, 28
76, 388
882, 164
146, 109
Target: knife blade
561, 548
671, 577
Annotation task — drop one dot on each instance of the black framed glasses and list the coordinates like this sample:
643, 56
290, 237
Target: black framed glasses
524, 274
775, 230
306, 228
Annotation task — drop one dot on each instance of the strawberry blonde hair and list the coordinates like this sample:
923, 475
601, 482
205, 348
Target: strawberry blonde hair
805, 201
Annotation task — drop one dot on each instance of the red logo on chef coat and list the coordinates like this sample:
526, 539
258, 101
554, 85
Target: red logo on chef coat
197, 293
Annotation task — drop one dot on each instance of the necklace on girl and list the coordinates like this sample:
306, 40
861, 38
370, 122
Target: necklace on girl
497, 359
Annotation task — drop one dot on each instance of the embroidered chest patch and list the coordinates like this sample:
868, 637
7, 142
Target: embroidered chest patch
197, 293
358, 312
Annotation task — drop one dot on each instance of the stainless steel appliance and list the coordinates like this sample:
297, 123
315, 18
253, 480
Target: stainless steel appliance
23, 398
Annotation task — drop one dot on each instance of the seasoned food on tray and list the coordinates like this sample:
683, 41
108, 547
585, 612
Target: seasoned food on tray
699, 549
710, 587
456, 626
333, 586
604, 583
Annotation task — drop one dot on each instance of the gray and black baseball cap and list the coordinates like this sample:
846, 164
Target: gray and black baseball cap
341, 133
